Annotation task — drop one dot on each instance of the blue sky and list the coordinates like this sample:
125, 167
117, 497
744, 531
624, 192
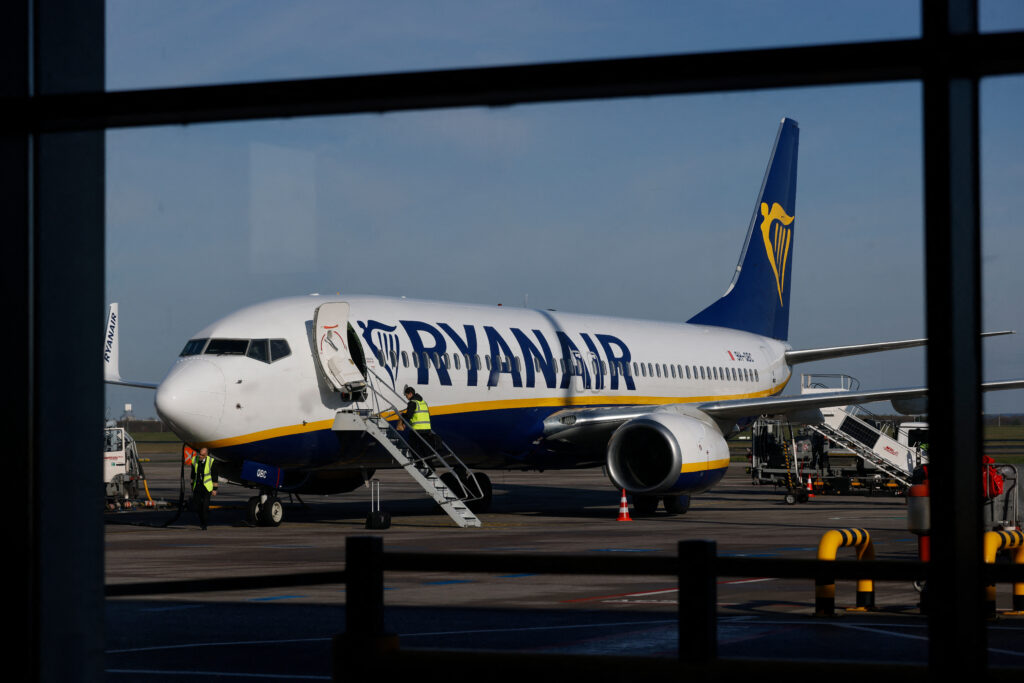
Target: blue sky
634, 207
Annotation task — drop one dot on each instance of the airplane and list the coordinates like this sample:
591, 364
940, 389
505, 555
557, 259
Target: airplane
507, 387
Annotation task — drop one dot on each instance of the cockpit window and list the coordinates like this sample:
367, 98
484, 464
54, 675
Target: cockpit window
194, 347
258, 350
227, 347
279, 349
263, 350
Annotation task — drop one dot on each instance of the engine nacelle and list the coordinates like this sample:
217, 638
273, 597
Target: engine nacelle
667, 452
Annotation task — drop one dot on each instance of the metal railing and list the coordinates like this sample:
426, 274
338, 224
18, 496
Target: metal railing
424, 454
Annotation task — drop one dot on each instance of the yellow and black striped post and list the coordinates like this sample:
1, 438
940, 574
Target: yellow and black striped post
1004, 540
825, 587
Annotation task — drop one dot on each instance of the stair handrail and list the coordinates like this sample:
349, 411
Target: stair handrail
448, 458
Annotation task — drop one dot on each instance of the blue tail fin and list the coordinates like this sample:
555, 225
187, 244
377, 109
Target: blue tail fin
758, 299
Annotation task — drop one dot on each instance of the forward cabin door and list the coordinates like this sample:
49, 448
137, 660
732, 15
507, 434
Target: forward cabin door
330, 325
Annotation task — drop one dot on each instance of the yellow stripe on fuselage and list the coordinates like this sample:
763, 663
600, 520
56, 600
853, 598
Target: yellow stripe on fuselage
482, 406
704, 466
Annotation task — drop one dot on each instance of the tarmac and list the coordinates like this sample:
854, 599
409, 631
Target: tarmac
285, 633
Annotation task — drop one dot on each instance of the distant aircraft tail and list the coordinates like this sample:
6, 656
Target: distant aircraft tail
757, 300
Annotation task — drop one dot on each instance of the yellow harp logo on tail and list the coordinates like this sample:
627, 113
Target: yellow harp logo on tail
777, 241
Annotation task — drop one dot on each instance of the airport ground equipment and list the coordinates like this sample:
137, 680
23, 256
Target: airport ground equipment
865, 454
845, 426
434, 466
1013, 542
779, 458
122, 469
825, 587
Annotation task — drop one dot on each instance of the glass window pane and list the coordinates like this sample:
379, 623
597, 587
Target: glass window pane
258, 350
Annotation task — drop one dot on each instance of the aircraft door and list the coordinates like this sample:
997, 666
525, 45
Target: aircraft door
593, 365
769, 366
330, 325
579, 372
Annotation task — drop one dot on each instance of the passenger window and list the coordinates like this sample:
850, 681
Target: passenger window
415, 360
643, 369
658, 369
456, 359
673, 372
476, 361
405, 359
519, 365
757, 375
487, 358
447, 360
258, 350
702, 372
394, 359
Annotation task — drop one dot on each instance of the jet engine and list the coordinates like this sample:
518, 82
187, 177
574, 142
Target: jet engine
665, 453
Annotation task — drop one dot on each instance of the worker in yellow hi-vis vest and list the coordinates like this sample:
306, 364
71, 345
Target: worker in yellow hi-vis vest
204, 485
417, 414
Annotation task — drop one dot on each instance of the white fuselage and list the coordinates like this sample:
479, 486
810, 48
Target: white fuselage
490, 375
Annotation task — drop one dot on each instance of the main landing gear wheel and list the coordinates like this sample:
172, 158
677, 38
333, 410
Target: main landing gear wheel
252, 511
644, 506
676, 505
271, 512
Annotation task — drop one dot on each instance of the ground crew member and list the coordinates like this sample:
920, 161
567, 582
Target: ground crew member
204, 485
417, 414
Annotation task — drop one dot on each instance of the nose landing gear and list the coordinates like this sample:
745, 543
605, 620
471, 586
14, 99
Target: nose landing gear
265, 510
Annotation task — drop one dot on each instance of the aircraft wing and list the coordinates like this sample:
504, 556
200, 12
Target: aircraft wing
130, 383
775, 405
580, 425
808, 355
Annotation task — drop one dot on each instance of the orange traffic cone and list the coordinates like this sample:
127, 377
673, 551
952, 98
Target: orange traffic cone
624, 509
810, 486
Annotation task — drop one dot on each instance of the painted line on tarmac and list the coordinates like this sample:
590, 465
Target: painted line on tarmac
557, 627
446, 582
170, 609
277, 597
219, 674
625, 550
184, 646
627, 597
886, 632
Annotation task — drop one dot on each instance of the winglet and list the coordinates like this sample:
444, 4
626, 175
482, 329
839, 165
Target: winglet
111, 374
110, 366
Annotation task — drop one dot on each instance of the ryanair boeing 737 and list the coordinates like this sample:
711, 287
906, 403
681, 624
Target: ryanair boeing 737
288, 395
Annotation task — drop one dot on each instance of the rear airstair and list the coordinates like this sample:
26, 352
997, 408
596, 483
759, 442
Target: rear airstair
433, 466
844, 427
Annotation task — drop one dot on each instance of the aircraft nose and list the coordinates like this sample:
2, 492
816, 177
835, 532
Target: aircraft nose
191, 399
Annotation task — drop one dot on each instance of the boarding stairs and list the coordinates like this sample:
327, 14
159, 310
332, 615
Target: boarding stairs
843, 427
435, 467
